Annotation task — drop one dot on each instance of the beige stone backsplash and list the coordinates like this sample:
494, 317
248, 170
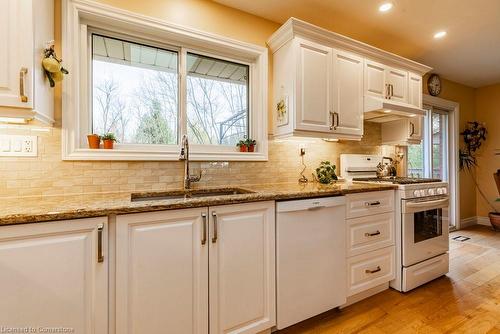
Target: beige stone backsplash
48, 175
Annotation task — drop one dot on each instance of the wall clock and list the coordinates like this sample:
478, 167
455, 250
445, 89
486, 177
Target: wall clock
434, 85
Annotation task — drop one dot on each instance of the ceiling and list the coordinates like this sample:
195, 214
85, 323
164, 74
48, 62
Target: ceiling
469, 54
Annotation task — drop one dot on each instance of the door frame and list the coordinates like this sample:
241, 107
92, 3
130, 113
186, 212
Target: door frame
453, 109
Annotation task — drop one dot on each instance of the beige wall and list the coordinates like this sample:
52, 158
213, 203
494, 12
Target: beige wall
488, 111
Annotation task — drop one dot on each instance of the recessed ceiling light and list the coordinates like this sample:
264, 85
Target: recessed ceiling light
440, 34
386, 6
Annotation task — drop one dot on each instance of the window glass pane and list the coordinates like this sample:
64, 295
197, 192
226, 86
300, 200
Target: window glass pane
217, 100
439, 145
134, 91
416, 160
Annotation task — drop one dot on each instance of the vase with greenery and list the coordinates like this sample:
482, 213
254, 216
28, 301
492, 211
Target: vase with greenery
474, 135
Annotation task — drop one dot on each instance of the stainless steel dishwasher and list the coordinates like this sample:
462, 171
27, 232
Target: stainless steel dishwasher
311, 258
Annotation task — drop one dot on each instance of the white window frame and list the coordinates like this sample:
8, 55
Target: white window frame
80, 17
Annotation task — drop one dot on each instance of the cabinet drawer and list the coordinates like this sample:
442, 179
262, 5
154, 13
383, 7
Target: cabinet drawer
370, 203
370, 233
370, 269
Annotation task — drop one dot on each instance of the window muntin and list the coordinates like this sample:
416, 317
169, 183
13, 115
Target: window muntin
217, 97
135, 89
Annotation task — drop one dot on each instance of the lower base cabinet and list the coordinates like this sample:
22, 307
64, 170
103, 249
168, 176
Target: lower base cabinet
54, 277
204, 270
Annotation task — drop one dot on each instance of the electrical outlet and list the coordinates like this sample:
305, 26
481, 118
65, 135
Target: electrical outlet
18, 146
28, 146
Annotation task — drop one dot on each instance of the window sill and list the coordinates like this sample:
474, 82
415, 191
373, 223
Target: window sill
131, 155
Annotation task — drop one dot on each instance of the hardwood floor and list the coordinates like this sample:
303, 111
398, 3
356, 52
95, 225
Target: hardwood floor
467, 300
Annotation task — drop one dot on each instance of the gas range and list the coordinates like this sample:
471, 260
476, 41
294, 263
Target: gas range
410, 187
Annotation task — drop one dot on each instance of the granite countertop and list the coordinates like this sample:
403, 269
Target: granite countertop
49, 208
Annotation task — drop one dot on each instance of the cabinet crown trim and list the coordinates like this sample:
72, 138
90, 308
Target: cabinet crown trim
294, 27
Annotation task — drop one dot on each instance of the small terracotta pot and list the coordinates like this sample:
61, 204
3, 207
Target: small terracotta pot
495, 220
94, 141
108, 144
251, 148
243, 148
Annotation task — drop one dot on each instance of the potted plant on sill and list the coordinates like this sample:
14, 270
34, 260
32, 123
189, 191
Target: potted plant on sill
94, 141
242, 144
474, 135
108, 140
251, 145
247, 145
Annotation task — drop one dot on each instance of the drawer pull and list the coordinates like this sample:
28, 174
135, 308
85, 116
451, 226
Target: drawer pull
368, 271
372, 203
372, 234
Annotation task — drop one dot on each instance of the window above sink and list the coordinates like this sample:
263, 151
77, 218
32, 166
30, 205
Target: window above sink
150, 82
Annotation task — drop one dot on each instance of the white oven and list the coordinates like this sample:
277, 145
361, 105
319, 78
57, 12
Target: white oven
425, 224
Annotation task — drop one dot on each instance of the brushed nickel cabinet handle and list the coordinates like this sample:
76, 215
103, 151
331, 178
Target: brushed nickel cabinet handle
204, 229
100, 255
338, 120
372, 203
22, 84
372, 234
412, 131
214, 238
368, 271
332, 120
391, 90
387, 91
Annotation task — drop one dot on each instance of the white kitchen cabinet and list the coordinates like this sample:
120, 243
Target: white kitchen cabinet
314, 84
162, 272
165, 261
415, 90
55, 275
403, 131
242, 268
370, 246
347, 97
25, 27
322, 89
386, 82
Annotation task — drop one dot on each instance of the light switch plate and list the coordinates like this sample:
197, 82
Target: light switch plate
18, 146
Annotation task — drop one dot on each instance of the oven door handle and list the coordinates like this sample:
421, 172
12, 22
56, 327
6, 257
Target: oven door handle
431, 204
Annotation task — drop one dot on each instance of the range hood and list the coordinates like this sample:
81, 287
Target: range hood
380, 110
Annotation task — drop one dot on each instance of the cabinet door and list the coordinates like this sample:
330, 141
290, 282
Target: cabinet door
398, 80
162, 272
347, 96
375, 79
52, 277
16, 63
242, 268
415, 90
415, 128
313, 87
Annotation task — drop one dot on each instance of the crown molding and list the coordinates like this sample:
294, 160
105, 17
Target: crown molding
297, 28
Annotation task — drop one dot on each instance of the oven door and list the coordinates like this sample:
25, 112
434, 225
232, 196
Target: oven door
425, 228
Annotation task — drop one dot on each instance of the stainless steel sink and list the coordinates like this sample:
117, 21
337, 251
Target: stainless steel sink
181, 194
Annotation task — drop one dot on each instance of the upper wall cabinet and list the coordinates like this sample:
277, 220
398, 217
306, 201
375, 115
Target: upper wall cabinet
386, 82
25, 28
325, 84
320, 90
